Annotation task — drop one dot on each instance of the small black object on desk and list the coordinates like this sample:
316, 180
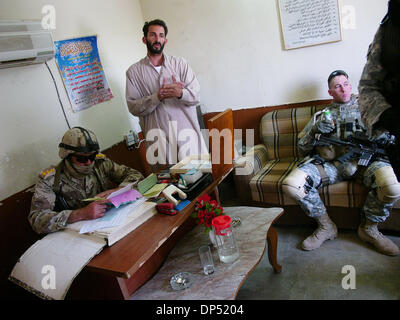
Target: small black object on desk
194, 189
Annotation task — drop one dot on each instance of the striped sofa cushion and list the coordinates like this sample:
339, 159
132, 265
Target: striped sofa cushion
279, 130
266, 187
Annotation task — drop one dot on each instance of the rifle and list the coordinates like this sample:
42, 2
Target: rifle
359, 147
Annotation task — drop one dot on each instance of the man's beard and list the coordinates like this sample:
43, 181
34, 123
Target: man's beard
154, 50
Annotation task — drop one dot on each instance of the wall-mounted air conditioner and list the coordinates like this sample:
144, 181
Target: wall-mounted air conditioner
24, 42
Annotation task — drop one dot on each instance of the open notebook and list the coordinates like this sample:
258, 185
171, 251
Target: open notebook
117, 222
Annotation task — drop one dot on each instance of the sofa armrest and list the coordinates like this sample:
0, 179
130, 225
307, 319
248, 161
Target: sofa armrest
252, 161
246, 167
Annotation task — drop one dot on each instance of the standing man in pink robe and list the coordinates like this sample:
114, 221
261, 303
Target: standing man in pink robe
163, 92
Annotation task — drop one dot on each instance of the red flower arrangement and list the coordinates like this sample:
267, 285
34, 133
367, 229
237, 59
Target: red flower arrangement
206, 210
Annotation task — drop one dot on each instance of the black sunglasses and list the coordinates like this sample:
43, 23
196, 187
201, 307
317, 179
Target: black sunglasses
84, 159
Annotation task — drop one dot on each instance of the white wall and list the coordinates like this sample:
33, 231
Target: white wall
234, 46
236, 49
31, 119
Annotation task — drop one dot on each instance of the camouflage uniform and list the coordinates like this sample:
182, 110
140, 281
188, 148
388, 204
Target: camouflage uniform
104, 174
374, 209
379, 85
372, 101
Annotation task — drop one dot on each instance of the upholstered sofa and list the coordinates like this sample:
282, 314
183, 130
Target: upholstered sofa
260, 171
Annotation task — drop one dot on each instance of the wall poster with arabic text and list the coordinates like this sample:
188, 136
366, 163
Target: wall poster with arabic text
309, 22
83, 75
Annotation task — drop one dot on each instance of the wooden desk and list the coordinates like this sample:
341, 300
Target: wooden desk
224, 283
119, 270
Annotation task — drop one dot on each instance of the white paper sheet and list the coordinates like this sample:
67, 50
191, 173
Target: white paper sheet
49, 266
113, 217
197, 164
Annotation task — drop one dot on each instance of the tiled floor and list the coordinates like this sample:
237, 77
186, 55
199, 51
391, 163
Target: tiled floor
342, 269
325, 273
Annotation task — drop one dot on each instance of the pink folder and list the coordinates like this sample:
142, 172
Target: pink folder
126, 197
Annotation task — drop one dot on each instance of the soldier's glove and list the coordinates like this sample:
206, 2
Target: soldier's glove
389, 120
384, 139
323, 125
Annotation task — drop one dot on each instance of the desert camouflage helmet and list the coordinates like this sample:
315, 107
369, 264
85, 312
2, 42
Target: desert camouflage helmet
78, 140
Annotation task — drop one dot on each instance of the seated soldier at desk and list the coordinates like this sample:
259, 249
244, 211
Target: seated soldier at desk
83, 173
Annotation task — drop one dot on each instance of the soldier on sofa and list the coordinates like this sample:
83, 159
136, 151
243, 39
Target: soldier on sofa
82, 173
320, 168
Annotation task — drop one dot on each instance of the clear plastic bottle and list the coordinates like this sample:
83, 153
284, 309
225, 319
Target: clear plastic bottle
328, 116
228, 250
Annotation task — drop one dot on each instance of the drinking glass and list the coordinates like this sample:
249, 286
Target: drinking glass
206, 260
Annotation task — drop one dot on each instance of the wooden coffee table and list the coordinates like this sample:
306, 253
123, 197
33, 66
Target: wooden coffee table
251, 235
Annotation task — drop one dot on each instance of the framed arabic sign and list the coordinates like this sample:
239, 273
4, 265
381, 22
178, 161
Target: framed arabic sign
309, 22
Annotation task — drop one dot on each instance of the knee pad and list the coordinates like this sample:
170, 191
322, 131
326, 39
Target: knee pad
293, 185
388, 188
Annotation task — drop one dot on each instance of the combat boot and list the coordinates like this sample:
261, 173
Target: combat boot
370, 233
326, 230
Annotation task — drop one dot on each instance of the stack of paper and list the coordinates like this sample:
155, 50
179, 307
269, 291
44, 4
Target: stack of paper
49, 266
113, 217
117, 222
197, 164
149, 187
